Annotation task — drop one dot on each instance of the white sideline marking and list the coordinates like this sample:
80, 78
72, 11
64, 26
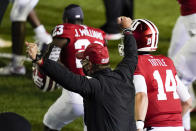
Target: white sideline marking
4, 43
9, 56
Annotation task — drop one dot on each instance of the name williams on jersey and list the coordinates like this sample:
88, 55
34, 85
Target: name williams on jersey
88, 32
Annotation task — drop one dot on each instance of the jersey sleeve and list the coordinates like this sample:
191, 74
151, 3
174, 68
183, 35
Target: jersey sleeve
140, 84
182, 90
64, 31
138, 70
139, 79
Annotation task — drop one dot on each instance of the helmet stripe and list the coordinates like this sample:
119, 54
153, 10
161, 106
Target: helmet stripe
153, 32
134, 24
157, 35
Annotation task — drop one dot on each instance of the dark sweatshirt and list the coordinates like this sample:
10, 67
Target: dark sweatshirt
108, 95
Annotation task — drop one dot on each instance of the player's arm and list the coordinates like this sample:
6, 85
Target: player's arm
184, 95
53, 52
60, 42
141, 101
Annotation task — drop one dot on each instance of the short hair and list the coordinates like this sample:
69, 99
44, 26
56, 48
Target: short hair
73, 14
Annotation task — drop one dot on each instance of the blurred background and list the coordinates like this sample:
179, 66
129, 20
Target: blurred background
19, 95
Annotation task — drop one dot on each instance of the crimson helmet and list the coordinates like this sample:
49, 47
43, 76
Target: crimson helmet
146, 35
42, 81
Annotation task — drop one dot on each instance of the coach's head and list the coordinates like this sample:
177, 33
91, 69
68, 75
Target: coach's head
94, 58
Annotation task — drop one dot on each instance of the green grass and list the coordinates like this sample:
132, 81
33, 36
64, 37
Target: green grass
18, 94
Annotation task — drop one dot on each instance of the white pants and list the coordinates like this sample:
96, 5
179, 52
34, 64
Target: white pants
21, 9
179, 37
183, 47
68, 107
183, 52
166, 129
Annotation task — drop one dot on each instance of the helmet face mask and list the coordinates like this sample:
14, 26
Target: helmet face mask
121, 48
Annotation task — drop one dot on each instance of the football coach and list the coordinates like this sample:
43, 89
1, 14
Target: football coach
108, 95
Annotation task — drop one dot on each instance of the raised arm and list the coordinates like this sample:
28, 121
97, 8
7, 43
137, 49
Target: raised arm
129, 62
62, 75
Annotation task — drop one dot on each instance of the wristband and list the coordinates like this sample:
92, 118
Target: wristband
139, 124
127, 31
37, 58
42, 62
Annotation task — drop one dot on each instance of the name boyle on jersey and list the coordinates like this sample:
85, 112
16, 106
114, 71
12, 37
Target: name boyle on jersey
88, 32
157, 62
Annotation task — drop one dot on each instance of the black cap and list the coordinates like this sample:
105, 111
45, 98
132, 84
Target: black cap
13, 122
73, 12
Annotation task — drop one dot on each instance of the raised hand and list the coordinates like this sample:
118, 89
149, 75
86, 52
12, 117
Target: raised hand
32, 50
125, 22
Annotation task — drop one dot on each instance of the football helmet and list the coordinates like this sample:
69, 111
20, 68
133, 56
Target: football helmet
42, 81
146, 35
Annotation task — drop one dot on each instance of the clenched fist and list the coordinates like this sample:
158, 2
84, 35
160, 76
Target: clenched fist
125, 22
32, 50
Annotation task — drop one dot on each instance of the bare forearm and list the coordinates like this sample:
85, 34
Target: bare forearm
141, 105
186, 106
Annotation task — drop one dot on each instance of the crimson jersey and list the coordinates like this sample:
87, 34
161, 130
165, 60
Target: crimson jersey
187, 7
164, 108
79, 36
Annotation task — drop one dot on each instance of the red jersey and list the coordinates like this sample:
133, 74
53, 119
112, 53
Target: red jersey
164, 107
79, 36
187, 7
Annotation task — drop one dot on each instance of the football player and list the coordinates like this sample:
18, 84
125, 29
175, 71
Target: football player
69, 39
182, 48
22, 11
159, 91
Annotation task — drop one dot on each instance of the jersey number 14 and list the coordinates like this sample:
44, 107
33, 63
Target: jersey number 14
169, 86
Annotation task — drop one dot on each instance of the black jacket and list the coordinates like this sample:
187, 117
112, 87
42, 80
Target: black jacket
108, 95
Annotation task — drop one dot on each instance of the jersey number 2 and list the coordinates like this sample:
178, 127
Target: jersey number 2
81, 45
169, 86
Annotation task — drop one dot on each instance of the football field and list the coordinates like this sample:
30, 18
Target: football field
18, 94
